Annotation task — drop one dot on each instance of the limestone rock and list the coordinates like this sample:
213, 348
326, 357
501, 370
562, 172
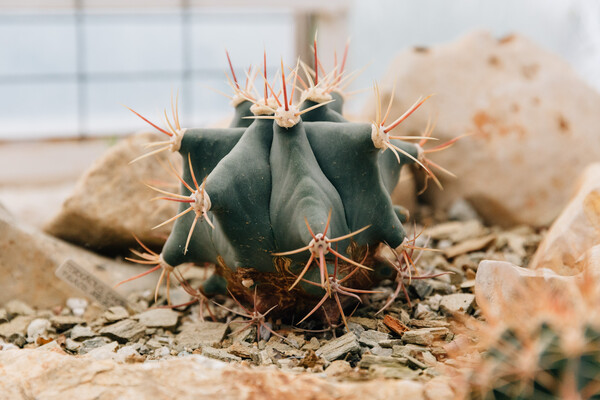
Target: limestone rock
50, 375
64, 322
81, 332
457, 303
110, 202
425, 336
338, 348
158, 318
499, 284
124, 331
533, 123
17, 326
17, 307
575, 231
116, 313
28, 259
200, 334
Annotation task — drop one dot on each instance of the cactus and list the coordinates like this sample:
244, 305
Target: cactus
546, 348
289, 197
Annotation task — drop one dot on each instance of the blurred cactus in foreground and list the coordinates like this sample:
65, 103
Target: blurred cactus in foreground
546, 345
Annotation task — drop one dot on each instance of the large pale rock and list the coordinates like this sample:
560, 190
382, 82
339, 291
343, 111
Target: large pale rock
575, 232
500, 285
28, 259
50, 375
534, 123
110, 201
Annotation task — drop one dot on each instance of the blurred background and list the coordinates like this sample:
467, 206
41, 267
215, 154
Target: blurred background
67, 66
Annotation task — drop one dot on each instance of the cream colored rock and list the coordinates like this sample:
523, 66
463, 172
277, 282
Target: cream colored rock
50, 375
28, 259
575, 231
500, 284
110, 201
533, 123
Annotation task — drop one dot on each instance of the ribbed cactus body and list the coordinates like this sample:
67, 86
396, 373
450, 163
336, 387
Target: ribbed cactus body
266, 182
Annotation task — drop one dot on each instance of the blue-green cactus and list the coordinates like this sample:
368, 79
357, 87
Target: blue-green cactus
285, 194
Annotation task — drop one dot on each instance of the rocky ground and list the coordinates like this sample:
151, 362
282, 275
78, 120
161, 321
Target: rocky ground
403, 342
142, 350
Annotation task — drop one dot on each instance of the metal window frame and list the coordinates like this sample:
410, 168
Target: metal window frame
309, 15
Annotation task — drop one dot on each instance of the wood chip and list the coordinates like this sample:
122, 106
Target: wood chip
395, 325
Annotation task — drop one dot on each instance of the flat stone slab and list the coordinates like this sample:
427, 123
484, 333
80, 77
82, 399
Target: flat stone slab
457, 303
17, 325
158, 318
196, 335
339, 347
425, 336
124, 331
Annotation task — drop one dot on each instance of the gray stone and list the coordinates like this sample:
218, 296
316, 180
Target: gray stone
81, 332
116, 313
367, 323
17, 339
17, 307
414, 363
369, 360
91, 344
244, 351
72, 345
462, 210
64, 322
372, 338
105, 352
355, 328
3, 315
17, 325
339, 347
409, 350
430, 323
264, 358
296, 340
195, 335
219, 354
240, 335
458, 302
422, 288
124, 331
312, 344
390, 343
380, 351
158, 318
425, 336
423, 311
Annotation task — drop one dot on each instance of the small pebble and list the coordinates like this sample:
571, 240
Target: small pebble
37, 328
77, 305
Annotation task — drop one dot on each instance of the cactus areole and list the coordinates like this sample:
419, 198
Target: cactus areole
290, 200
